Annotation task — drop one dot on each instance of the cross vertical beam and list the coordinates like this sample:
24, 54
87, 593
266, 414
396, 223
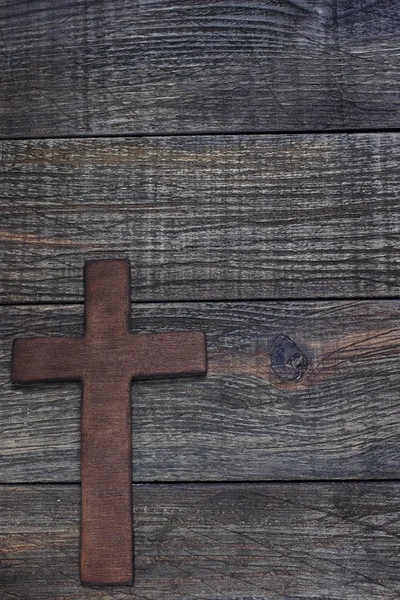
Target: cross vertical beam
106, 552
106, 360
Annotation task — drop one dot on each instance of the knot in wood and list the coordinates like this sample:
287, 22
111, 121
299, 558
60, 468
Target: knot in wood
287, 360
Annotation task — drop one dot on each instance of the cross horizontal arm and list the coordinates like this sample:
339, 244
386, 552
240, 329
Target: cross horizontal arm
168, 354
46, 359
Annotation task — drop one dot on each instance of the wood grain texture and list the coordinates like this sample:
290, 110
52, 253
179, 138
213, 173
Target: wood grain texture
248, 419
336, 541
76, 67
213, 217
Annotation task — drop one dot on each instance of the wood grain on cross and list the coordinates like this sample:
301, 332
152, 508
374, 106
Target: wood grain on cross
105, 360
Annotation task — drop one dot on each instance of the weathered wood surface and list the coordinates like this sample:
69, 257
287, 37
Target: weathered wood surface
204, 217
315, 542
76, 67
248, 419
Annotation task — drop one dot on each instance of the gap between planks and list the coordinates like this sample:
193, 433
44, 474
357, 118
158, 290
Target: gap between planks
216, 300
272, 482
208, 132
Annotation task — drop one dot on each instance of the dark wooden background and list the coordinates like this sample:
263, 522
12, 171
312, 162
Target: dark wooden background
245, 157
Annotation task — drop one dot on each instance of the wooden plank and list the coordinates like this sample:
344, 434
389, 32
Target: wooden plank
281, 541
248, 419
213, 217
76, 67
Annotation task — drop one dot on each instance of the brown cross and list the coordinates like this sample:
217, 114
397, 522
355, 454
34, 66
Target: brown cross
105, 360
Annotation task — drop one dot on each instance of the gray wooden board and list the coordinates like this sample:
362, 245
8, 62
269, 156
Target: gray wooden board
78, 67
203, 217
243, 421
325, 541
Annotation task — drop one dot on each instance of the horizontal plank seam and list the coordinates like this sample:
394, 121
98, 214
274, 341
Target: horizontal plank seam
216, 300
216, 483
162, 134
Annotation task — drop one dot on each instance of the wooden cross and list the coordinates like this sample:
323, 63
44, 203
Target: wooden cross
105, 360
